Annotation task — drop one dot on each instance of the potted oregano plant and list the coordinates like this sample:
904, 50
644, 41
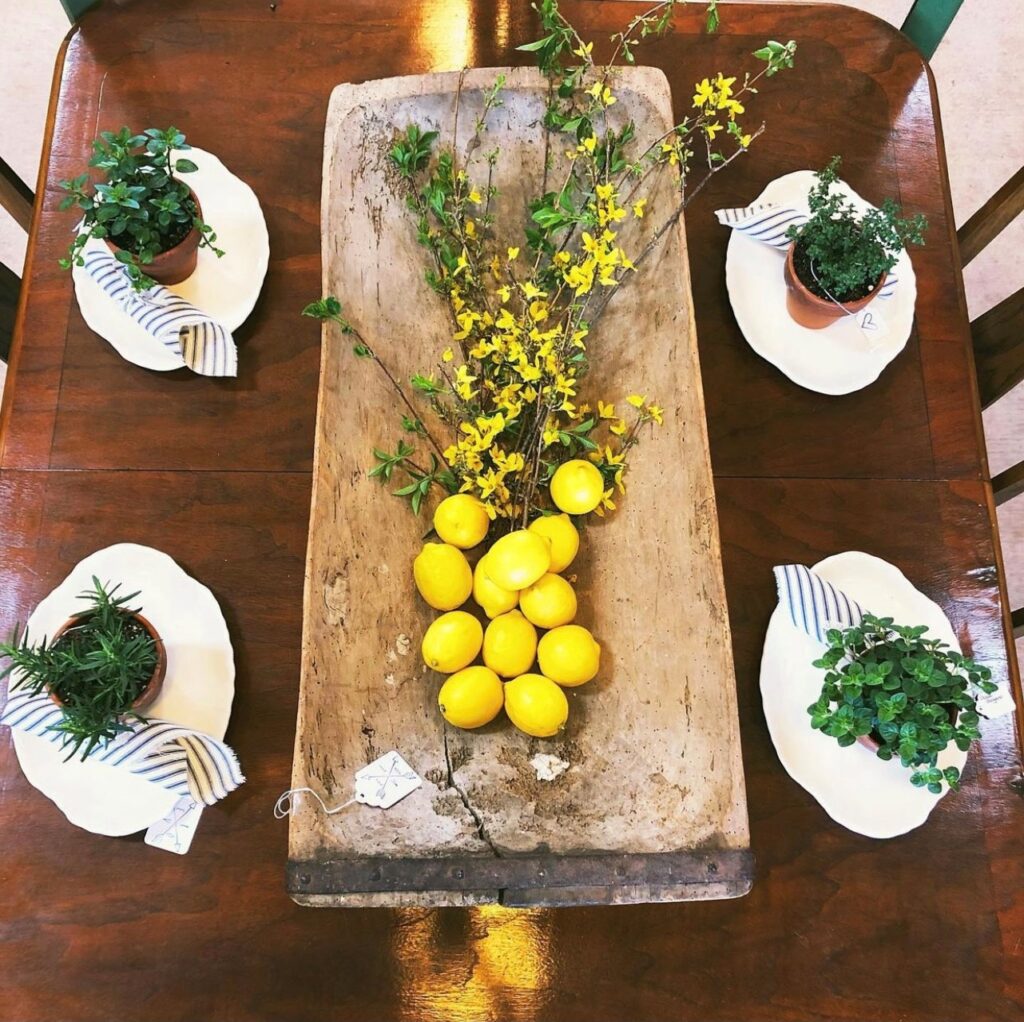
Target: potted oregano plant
101, 666
900, 694
150, 218
839, 259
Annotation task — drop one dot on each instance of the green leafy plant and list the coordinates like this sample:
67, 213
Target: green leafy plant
841, 255
97, 668
911, 695
141, 206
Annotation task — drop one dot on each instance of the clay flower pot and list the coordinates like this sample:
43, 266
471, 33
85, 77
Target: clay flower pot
156, 681
807, 309
178, 263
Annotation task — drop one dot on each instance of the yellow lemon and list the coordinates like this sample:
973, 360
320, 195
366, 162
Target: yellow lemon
510, 644
471, 698
490, 595
461, 520
559, 531
569, 655
442, 576
577, 487
452, 641
549, 602
518, 559
536, 705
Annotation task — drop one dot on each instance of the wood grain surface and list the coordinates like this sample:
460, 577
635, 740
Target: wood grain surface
653, 743
837, 926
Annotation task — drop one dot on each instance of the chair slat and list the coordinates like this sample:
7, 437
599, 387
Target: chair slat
1007, 484
75, 8
927, 22
10, 288
998, 337
16, 196
1017, 617
1007, 203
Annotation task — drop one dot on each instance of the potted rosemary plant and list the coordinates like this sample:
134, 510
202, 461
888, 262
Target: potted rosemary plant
101, 665
149, 217
839, 259
900, 694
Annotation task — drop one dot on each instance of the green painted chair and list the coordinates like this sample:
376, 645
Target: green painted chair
75, 8
927, 23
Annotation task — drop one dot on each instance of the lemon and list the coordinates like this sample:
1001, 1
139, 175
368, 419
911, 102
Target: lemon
442, 576
536, 705
510, 644
559, 531
452, 641
518, 559
461, 520
490, 595
569, 655
577, 487
471, 698
549, 602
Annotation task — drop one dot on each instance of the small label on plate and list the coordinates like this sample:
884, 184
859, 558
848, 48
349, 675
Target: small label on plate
175, 831
995, 704
871, 324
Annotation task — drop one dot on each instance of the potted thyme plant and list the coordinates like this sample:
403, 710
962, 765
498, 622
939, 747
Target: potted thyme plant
150, 219
839, 259
101, 665
900, 694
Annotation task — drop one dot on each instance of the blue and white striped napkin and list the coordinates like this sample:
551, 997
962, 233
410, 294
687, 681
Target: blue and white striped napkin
184, 761
814, 605
201, 342
768, 223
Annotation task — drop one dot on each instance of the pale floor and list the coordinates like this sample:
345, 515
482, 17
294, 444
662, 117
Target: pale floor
981, 92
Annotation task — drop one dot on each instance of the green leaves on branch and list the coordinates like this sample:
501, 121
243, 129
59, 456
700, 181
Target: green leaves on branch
411, 153
328, 310
421, 483
141, 207
776, 55
911, 694
387, 463
420, 480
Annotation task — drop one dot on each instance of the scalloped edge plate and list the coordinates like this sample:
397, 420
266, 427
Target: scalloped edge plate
225, 288
839, 359
857, 789
198, 690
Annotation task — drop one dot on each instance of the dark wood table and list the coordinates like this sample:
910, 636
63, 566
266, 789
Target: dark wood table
217, 473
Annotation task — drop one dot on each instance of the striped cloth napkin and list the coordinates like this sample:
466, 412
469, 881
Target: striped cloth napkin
815, 606
177, 758
201, 342
768, 223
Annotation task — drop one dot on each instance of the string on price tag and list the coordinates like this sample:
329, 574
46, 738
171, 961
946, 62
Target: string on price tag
382, 783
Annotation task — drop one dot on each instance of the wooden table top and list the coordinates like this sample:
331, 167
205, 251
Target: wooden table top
217, 473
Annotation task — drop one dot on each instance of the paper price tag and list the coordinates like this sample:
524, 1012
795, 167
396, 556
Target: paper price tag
385, 781
175, 831
995, 704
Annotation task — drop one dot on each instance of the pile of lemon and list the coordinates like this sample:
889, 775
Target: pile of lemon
518, 585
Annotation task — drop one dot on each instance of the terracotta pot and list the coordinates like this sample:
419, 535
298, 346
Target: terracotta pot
807, 309
156, 682
178, 263
872, 743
